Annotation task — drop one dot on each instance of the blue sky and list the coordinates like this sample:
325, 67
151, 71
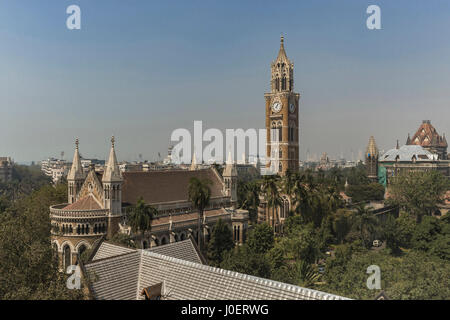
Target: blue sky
140, 69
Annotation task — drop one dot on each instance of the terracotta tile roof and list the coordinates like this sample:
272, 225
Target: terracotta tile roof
165, 186
427, 135
86, 203
188, 216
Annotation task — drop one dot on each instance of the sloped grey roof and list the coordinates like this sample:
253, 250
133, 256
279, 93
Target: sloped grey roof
184, 250
115, 278
407, 152
107, 250
124, 277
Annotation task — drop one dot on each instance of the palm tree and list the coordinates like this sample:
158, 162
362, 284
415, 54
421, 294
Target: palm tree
199, 194
270, 189
365, 223
251, 198
304, 274
140, 218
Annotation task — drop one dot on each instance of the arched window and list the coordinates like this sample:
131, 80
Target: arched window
144, 244
82, 229
283, 83
66, 257
87, 229
78, 229
81, 249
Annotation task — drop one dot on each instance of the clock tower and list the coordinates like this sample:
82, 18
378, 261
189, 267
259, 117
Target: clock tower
282, 116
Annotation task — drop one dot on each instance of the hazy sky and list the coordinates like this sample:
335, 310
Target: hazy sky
140, 69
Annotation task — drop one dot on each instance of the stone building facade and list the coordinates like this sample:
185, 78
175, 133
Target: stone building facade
97, 204
282, 105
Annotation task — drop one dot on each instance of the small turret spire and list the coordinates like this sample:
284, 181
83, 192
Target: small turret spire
112, 172
76, 171
193, 162
282, 53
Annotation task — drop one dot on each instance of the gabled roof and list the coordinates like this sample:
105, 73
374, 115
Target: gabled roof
182, 250
125, 276
86, 203
426, 136
108, 250
165, 185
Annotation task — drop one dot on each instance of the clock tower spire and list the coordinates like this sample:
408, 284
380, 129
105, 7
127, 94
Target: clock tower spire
282, 105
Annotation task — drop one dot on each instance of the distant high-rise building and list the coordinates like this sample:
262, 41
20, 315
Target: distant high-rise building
5, 169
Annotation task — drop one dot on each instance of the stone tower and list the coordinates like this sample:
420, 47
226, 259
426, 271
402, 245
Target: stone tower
230, 180
112, 188
372, 160
282, 105
75, 177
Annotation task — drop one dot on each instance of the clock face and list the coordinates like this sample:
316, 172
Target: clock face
292, 108
276, 107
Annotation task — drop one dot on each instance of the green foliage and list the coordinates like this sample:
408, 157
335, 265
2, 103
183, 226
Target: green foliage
123, 240
419, 193
261, 239
28, 264
432, 236
140, 217
248, 198
413, 266
365, 192
220, 242
25, 180
242, 259
412, 276
199, 193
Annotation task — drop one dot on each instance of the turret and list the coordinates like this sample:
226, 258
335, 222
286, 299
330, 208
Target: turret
372, 160
75, 177
112, 183
230, 180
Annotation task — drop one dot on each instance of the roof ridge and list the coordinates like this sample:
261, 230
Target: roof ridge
234, 274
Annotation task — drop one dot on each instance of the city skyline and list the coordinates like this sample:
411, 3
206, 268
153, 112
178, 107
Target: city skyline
127, 67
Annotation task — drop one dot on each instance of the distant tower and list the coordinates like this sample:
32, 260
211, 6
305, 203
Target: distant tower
372, 160
112, 188
193, 162
282, 116
75, 177
230, 180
